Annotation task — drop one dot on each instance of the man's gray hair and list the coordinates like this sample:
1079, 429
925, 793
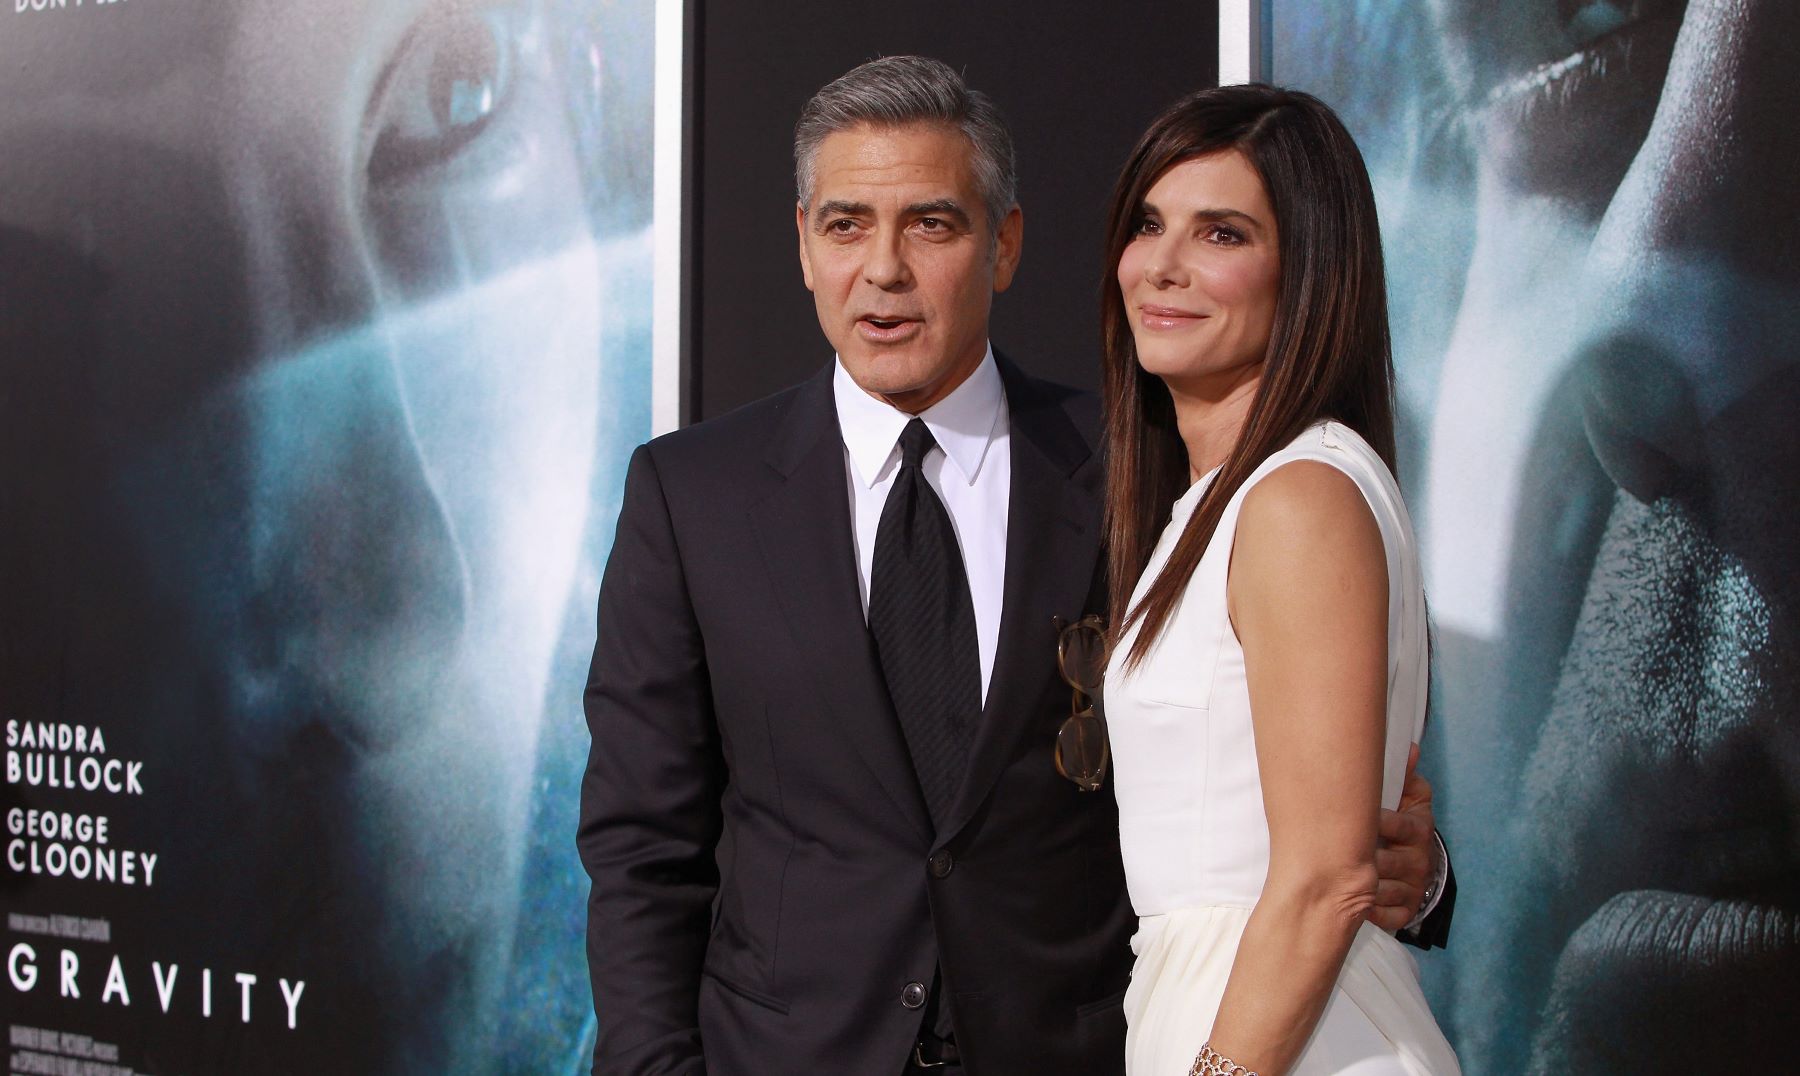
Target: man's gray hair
897, 91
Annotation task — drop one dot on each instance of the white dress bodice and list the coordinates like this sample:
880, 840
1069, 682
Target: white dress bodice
1191, 819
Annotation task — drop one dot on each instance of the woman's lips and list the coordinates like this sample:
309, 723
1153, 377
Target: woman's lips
888, 330
1167, 317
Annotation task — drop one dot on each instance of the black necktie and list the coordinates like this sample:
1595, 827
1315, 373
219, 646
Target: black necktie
923, 621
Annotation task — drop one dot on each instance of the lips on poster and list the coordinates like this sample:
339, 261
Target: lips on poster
325, 331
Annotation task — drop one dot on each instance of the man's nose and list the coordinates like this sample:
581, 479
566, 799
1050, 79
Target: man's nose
1714, 177
1696, 260
885, 265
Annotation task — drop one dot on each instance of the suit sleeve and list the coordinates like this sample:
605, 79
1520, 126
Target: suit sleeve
650, 798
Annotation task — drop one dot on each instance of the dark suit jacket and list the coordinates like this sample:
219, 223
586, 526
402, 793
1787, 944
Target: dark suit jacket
762, 860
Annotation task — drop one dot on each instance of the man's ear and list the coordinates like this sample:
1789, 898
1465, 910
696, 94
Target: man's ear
1009, 242
800, 229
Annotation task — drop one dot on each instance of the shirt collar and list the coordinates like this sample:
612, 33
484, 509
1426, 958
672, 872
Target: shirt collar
963, 423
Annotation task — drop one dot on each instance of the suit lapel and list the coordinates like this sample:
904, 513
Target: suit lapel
804, 531
1052, 541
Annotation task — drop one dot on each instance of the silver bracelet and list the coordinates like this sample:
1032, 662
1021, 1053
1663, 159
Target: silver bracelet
1212, 1063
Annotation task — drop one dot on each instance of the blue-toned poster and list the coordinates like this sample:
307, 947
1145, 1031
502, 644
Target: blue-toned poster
1593, 239
325, 335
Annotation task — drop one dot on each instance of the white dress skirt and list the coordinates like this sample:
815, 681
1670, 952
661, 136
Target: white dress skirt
1191, 822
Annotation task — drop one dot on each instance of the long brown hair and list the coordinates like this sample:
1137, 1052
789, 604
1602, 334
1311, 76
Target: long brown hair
1328, 356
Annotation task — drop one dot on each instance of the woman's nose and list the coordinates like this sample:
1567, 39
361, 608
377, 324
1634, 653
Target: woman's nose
1162, 266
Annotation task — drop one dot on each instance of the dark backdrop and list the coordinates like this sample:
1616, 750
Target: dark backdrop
1077, 85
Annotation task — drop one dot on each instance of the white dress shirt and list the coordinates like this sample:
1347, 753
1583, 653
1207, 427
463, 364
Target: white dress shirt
970, 470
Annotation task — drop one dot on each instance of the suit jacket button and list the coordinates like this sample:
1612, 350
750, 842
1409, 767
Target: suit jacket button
940, 863
913, 997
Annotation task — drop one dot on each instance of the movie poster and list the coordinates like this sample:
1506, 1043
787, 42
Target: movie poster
325, 329
1590, 221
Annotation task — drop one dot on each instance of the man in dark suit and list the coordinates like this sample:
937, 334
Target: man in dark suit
822, 817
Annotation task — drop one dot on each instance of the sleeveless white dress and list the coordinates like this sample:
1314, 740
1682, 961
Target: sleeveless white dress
1191, 821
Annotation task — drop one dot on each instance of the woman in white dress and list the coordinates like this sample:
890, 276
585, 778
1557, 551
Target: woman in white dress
1268, 673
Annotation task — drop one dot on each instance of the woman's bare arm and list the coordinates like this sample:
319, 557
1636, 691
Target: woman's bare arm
1308, 598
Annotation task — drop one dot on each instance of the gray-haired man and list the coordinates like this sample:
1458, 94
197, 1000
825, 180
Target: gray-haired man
822, 814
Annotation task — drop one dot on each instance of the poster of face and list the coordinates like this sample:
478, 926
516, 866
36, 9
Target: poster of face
325, 336
1591, 223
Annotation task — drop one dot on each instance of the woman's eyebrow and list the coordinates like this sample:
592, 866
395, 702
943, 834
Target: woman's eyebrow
1207, 215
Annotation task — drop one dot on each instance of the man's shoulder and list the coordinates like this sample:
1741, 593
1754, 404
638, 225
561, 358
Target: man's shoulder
1081, 405
748, 424
1026, 393
739, 437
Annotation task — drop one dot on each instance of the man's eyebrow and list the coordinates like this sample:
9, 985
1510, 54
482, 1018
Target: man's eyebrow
940, 207
837, 207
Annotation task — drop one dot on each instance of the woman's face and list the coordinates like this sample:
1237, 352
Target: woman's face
1200, 274
334, 400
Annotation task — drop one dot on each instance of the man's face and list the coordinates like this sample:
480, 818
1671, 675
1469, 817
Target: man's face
902, 263
1634, 201
1606, 511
